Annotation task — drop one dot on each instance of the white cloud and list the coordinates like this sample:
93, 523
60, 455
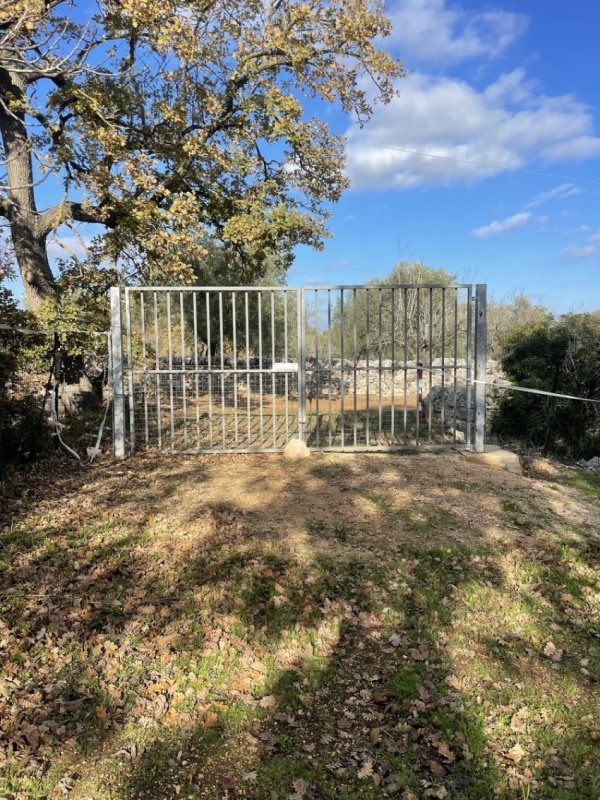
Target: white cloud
497, 227
563, 191
591, 248
341, 262
450, 119
595, 238
429, 30
574, 253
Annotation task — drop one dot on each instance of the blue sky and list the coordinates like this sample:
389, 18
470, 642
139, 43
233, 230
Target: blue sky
512, 84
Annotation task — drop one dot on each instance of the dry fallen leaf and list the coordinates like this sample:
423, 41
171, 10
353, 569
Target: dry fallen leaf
210, 720
375, 735
269, 701
518, 720
444, 750
516, 753
300, 787
366, 770
552, 652
436, 768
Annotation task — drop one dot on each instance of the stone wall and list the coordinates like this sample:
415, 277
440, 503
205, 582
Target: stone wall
324, 379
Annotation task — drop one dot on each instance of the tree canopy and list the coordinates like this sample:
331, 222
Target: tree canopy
170, 121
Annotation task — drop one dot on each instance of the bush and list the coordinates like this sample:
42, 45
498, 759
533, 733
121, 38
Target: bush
23, 430
561, 356
24, 434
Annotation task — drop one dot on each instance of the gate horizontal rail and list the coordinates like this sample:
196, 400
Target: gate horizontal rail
244, 369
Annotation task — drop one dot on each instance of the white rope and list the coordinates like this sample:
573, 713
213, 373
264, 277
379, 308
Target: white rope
93, 451
58, 425
537, 391
33, 332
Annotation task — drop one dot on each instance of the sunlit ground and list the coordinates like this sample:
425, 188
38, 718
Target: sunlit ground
346, 627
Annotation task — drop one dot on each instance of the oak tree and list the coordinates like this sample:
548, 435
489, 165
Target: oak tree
170, 122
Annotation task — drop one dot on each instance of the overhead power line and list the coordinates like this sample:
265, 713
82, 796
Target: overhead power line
487, 165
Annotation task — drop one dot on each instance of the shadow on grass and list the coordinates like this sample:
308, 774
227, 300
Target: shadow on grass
373, 718
259, 670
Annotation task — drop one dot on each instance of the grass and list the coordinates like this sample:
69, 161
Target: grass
585, 481
347, 627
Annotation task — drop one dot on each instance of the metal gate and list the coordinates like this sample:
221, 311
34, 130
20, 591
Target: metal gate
244, 369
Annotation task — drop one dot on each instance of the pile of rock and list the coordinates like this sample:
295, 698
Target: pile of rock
454, 402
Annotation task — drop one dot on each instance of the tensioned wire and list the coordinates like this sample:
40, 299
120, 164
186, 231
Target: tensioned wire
487, 165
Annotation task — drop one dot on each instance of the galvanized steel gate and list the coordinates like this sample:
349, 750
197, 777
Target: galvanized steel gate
244, 369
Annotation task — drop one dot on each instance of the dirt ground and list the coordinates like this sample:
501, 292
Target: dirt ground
348, 626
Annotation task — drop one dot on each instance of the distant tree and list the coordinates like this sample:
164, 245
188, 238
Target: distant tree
381, 317
513, 311
169, 120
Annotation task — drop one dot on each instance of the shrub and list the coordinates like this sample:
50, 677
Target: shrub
23, 430
24, 433
560, 356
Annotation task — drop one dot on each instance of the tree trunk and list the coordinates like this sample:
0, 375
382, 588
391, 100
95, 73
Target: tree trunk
28, 235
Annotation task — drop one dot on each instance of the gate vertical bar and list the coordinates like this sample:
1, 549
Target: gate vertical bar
355, 367
286, 361
455, 363
367, 368
480, 364
235, 368
170, 351
430, 353
209, 371
443, 381
145, 375
260, 367
183, 368
343, 372
195, 310
316, 368
157, 372
393, 341
222, 370
248, 384
329, 361
116, 352
405, 326
418, 364
130, 373
301, 366
273, 381
380, 368
469, 375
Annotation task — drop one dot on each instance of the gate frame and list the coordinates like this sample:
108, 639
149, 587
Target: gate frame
475, 385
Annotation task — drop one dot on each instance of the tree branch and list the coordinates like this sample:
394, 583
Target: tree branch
79, 212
